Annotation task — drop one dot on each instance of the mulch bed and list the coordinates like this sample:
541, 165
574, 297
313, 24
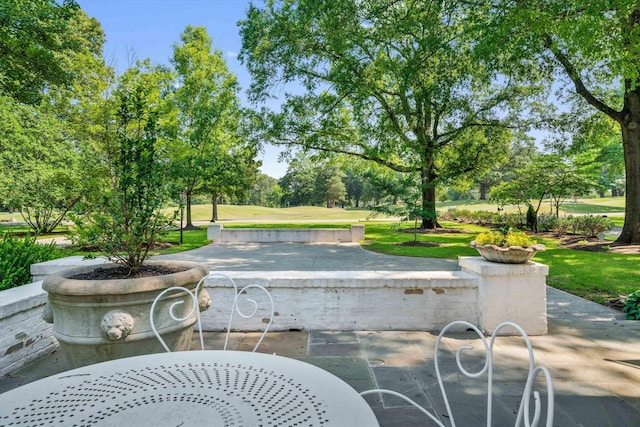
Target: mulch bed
420, 244
434, 231
580, 243
122, 272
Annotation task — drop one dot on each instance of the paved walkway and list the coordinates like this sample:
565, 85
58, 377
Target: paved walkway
304, 257
593, 355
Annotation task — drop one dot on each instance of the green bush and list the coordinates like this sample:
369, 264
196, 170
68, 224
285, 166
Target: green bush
632, 306
547, 222
16, 257
563, 225
591, 226
483, 217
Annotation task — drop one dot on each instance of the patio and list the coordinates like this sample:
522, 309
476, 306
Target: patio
592, 355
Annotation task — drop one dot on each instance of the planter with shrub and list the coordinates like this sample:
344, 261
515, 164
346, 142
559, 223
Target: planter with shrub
102, 312
508, 247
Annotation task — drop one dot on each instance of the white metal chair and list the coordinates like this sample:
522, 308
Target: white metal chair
524, 412
240, 295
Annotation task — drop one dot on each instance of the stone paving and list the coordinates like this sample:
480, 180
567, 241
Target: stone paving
594, 360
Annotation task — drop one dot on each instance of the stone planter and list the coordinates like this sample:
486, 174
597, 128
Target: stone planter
508, 255
99, 320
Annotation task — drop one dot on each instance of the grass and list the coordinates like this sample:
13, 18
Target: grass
261, 213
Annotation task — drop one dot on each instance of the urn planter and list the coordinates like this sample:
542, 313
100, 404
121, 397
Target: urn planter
507, 255
99, 320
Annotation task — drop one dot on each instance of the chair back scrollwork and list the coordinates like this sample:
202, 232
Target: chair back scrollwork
530, 418
188, 304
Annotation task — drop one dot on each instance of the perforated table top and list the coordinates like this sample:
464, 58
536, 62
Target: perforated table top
191, 388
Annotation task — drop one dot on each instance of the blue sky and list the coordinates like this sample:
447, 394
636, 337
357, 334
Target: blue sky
149, 28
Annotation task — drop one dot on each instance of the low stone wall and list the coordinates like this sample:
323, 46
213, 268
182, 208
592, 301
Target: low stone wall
25, 335
483, 293
217, 233
351, 300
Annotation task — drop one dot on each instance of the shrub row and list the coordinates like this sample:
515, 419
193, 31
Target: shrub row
500, 219
588, 225
16, 257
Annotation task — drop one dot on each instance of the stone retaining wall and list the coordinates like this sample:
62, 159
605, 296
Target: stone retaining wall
25, 335
483, 293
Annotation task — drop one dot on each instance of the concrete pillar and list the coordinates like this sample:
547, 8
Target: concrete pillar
510, 292
357, 232
214, 232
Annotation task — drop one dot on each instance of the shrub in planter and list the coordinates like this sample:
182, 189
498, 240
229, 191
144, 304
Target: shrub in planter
509, 246
102, 312
505, 239
125, 221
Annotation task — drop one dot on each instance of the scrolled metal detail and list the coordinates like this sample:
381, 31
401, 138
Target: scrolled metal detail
236, 307
194, 309
524, 415
117, 325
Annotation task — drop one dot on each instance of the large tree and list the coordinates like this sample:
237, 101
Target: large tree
395, 82
595, 46
39, 165
33, 40
206, 95
41, 144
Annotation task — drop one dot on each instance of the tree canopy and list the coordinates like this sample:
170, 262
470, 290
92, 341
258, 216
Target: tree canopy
33, 40
397, 83
208, 116
592, 48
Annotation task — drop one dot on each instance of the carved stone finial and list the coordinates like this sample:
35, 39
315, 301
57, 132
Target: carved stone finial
204, 300
47, 313
117, 325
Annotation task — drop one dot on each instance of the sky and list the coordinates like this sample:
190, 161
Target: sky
141, 29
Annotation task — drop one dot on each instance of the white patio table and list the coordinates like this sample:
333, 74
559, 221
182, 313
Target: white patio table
190, 388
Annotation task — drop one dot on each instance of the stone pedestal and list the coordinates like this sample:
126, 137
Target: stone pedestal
214, 232
510, 292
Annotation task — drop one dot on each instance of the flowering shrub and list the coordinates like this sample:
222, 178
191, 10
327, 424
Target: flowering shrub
587, 226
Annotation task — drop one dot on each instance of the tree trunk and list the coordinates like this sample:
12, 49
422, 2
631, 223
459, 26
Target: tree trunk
429, 215
214, 207
630, 127
483, 191
189, 225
